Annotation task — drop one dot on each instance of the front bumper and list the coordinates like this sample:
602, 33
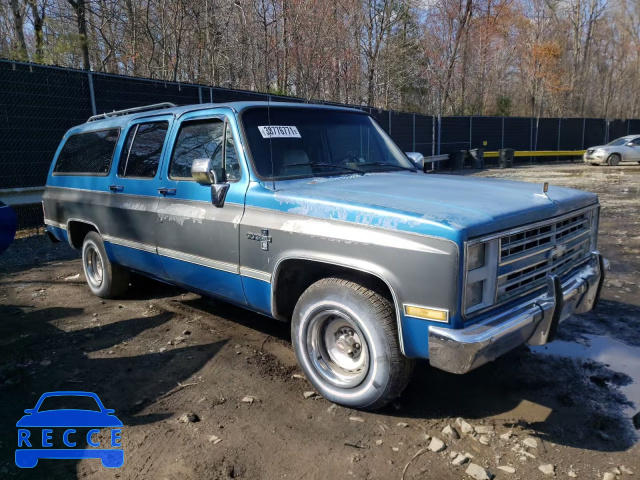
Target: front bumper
593, 158
535, 322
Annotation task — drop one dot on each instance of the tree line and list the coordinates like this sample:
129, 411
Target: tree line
451, 57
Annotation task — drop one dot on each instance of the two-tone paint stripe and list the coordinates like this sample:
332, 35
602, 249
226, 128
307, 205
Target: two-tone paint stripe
193, 259
52, 223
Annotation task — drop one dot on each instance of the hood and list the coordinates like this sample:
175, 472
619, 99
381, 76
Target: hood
471, 205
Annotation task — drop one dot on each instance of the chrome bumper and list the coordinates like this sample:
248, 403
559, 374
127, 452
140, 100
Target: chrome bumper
535, 322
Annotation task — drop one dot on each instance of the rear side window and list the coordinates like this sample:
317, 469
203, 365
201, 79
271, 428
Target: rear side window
88, 153
142, 149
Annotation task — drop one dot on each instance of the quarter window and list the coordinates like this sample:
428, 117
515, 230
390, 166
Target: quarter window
142, 150
88, 153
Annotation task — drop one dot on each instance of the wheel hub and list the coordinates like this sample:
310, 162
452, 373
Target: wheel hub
348, 343
337, 348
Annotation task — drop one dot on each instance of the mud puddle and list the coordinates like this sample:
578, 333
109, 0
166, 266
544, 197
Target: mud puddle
618, 356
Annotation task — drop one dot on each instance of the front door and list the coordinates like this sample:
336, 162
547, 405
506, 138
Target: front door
198, 242
634, 153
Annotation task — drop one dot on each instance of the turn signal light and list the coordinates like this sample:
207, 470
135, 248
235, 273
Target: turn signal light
426, 313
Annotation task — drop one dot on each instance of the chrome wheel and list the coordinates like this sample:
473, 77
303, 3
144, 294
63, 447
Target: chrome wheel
93, 266
337, 348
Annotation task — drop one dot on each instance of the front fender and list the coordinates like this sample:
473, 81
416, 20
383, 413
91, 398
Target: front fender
418, 269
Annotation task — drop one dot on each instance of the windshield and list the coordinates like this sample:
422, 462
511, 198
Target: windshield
308, 142
69, 402
618, 141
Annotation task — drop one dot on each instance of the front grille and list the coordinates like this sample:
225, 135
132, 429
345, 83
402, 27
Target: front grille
554, 247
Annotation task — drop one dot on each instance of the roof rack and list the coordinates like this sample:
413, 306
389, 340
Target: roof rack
127, 111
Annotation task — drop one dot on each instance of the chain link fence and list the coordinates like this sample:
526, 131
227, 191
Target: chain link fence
38, 104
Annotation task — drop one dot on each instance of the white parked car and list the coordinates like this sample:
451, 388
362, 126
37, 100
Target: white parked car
623, 149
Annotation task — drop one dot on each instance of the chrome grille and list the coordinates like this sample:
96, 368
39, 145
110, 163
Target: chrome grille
554, 247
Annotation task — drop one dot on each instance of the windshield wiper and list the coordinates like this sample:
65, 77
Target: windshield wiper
319, 164
386, 164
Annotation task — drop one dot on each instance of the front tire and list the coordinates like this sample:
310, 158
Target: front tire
346, 341
614, 160
105, 279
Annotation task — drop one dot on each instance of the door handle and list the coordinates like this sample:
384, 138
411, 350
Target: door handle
116, 188
167, 191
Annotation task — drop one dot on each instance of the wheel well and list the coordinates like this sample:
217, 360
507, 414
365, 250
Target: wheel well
296, 275
77, 231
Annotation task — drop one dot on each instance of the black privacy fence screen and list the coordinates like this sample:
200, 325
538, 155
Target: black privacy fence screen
39, 103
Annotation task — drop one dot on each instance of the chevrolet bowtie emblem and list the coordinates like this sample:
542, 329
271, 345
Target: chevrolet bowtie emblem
558, 251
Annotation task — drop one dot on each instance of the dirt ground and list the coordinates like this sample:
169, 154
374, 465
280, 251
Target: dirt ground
162, 352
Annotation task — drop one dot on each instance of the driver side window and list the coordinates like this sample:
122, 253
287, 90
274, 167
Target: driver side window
636, 142
204, 139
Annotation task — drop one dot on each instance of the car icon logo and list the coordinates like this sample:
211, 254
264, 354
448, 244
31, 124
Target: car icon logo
55, 433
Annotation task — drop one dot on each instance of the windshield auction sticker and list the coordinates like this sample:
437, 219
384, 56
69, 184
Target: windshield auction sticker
279, 131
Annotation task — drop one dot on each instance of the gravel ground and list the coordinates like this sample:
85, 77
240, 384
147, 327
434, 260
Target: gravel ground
161, 353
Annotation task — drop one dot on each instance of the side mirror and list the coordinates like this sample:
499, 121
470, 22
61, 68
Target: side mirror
29, 411
203, 172
417, 159
629, 144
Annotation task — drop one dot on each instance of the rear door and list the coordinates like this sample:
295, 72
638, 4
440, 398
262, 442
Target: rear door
198, 242
132, 216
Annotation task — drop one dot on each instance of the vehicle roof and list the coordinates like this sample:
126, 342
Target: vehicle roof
627, 137
121, 120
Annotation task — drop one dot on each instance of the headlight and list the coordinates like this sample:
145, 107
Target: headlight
475, 256
474, 294
481, 264
600, 150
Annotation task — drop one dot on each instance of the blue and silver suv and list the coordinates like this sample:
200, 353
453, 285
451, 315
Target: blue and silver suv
312, 215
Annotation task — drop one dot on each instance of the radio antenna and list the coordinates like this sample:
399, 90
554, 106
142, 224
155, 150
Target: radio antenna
273, 176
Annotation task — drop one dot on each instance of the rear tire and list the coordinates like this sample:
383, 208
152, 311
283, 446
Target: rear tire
345, 337
105, 279
614, 160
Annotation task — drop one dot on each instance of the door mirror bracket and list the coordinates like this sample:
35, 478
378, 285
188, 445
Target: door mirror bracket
219, 194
